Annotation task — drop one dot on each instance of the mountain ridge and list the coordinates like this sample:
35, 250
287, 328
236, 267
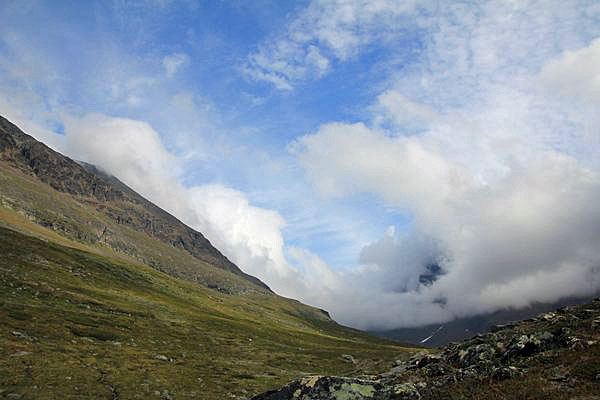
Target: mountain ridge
464, 328
110, 196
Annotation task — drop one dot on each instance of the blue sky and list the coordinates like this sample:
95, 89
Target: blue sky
334, 148
124, 45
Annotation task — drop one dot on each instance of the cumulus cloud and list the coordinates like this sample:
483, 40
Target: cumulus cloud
403, 262
133, 151
491, 170
576, 73
533, 221
251, 235
173, 62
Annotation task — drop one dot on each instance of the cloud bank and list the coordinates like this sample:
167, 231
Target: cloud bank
488, 141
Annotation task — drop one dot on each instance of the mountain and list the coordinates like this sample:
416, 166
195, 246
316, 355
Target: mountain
553, 356
105, 295
120, 213
464, 328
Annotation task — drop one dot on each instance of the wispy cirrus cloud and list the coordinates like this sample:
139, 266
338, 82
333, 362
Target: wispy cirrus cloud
323, 33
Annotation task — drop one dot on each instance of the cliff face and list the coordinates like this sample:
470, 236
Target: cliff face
106, 195
553, 356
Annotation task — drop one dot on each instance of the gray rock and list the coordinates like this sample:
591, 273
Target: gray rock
406, 391
20, 354
348, 358
500, 355
559, 374
502, 373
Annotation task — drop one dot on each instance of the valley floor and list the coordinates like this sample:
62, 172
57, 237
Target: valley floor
75, 325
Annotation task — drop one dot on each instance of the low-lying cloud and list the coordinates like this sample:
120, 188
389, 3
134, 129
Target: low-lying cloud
529, 233
502, 242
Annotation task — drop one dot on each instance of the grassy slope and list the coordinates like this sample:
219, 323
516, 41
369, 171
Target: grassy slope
92, 325
82, 316
80, 220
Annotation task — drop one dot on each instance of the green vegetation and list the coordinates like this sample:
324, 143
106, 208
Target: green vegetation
104, 295
82, 325
85, 223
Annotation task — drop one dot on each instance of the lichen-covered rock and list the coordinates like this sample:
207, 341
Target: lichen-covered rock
406, 391
506, 353
338, 388
501, 373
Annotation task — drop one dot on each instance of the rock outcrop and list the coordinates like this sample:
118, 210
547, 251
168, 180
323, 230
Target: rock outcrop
557, 350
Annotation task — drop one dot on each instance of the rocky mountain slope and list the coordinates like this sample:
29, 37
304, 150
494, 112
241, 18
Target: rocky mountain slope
553, 356
119, 218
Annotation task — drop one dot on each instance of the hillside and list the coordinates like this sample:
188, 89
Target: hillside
82, 203
104, 295
79, 325
553, 356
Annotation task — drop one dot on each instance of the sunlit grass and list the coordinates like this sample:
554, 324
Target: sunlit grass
85, 325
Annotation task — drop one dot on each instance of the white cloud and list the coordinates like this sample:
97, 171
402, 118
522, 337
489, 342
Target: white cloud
398, 261
126, 148
324, 32
576, 73
173, 62
395, 107
500, 181
343, 159
250, 235
132, 150
534, 219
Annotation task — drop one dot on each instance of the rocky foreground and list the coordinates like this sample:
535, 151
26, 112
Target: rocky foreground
553, 356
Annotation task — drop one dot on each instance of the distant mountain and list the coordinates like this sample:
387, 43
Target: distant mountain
435, 335
120, 219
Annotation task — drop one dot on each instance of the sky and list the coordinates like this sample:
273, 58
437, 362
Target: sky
339, 150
